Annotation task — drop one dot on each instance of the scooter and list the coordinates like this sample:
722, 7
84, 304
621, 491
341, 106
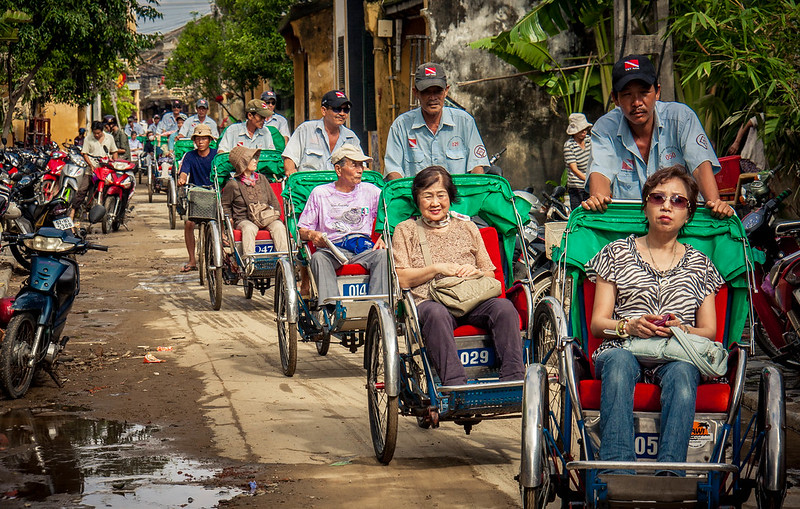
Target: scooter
36, 316
776, 289
119, 185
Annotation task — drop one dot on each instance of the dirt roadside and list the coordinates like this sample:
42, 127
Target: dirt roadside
126, 309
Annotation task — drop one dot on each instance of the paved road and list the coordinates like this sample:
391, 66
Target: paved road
318, 417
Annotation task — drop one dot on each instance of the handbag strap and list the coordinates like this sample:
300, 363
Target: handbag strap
423, 244
702, 364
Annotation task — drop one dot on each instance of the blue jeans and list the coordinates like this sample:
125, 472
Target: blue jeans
619, 370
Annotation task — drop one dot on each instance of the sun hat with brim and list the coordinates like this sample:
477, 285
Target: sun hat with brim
241, 156
202, 130
350, 152
577, 123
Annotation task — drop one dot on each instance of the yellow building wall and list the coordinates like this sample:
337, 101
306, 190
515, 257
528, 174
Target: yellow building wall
65, 120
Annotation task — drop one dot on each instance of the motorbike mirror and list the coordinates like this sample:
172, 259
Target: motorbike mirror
97, 213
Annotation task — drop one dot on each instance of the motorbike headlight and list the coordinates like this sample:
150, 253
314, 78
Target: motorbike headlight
127, 182
47, 244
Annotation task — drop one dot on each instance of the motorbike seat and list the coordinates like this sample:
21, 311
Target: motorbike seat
787, 227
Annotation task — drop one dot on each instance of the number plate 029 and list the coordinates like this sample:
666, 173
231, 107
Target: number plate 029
476, 357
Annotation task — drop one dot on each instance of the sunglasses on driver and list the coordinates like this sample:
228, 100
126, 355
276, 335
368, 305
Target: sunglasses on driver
340, 109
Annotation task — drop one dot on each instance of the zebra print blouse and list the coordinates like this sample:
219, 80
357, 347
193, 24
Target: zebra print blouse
641, 289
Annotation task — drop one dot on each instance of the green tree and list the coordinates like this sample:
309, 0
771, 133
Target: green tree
234, 48
70, 50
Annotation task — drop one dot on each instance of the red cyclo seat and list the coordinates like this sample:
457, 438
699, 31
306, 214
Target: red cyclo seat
352, 269
261, 235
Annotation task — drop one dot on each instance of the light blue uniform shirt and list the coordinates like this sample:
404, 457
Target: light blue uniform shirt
167, 124
309, 146
188, 126
457, 144
678, 138
280, 123
236, 135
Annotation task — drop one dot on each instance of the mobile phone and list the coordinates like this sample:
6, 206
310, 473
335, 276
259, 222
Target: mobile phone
661, 321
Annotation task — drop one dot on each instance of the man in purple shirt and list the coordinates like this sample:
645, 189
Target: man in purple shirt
343, 213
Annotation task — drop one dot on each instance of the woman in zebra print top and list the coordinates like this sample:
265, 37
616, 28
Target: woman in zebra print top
642, 282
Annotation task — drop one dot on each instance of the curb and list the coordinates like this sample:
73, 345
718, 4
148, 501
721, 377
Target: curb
750, 401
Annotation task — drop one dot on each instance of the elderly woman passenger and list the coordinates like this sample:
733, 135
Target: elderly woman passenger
249, 188
642, 281
457, 249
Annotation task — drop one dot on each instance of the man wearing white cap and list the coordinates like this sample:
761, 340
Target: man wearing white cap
344, 212
201, 117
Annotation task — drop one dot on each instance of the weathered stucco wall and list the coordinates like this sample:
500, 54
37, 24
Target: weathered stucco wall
509, 113
314, 36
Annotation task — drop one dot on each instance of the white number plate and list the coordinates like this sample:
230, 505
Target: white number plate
65, 223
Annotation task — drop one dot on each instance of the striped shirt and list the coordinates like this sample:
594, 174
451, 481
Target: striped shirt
573, 153
643, 290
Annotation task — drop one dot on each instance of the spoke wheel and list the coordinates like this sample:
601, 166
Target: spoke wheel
383, 409
108, 219
323, 343
771, 421
249, 286
287, 332
172, 216
200, 255
213, 274
544, 337
541, 288
150, 183
15, 350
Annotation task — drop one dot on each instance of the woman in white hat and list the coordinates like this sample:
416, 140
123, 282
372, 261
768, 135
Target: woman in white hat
577, 149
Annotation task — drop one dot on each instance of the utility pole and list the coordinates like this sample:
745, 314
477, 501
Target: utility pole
656, 45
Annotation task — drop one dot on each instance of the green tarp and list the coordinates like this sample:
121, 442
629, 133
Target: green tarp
722, 240
488, 196
277, 138
270, 163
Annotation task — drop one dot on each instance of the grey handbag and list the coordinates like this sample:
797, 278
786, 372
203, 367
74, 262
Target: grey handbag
708, 356
459, 295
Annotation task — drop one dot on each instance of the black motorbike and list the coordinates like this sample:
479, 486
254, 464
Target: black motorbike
38, 313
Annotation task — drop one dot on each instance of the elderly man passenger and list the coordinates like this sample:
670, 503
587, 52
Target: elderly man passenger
345, 211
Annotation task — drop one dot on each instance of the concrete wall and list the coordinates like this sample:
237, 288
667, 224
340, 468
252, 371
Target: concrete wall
312, 39
509, 113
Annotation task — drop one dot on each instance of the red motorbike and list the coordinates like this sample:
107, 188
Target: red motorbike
117, 188
776, 289
50, 180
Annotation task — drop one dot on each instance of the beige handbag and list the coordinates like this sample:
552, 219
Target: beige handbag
459, 295
262, 214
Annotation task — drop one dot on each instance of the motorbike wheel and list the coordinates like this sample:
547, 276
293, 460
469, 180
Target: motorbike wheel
108, 219
200, 253
213, 275
766, 346
15, 375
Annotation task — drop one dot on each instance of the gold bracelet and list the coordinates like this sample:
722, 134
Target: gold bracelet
622, 327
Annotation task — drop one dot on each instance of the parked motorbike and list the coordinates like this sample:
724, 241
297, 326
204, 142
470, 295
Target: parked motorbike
36, 316
63, 176
557, 209
775, 294
118, 187
535, 251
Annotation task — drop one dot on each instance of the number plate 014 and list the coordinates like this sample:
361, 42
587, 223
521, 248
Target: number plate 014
354, 289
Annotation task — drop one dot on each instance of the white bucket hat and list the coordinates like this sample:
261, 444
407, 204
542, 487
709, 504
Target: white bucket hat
577, 123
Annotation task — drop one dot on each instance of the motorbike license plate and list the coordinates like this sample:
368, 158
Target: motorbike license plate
65, 223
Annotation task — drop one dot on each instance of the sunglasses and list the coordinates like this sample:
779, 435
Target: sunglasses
677, 201
340, 109
272, 102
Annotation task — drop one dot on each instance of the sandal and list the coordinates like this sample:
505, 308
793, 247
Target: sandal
188, 268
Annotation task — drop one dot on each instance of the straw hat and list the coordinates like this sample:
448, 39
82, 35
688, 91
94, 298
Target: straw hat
577, 123
241, 156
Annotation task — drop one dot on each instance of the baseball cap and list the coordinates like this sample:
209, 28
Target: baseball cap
182, 116
258, 106
156, 116
269, 95
632, 67
175, 104
335, 99
201, 103
430, 75
202, 130
349, 151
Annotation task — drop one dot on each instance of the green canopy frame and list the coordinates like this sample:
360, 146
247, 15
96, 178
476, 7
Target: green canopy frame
487, 196
723, 240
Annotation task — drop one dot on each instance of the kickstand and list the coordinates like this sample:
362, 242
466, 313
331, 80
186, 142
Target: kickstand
52, 372
125, 225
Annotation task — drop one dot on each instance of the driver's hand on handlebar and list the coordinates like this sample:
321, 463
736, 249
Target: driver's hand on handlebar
182, 178
596, 203
719, 208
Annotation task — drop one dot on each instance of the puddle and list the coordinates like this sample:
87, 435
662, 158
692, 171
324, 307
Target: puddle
52, 453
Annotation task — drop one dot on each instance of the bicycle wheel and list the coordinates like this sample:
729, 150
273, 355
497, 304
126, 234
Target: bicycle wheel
383, 409
287, 332
249, 286
150, 183
213, 274
201, 253
544, 337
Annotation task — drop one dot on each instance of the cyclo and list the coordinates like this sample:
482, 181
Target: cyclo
400, 377
221, 261
176, 197
729, 454
297, 314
